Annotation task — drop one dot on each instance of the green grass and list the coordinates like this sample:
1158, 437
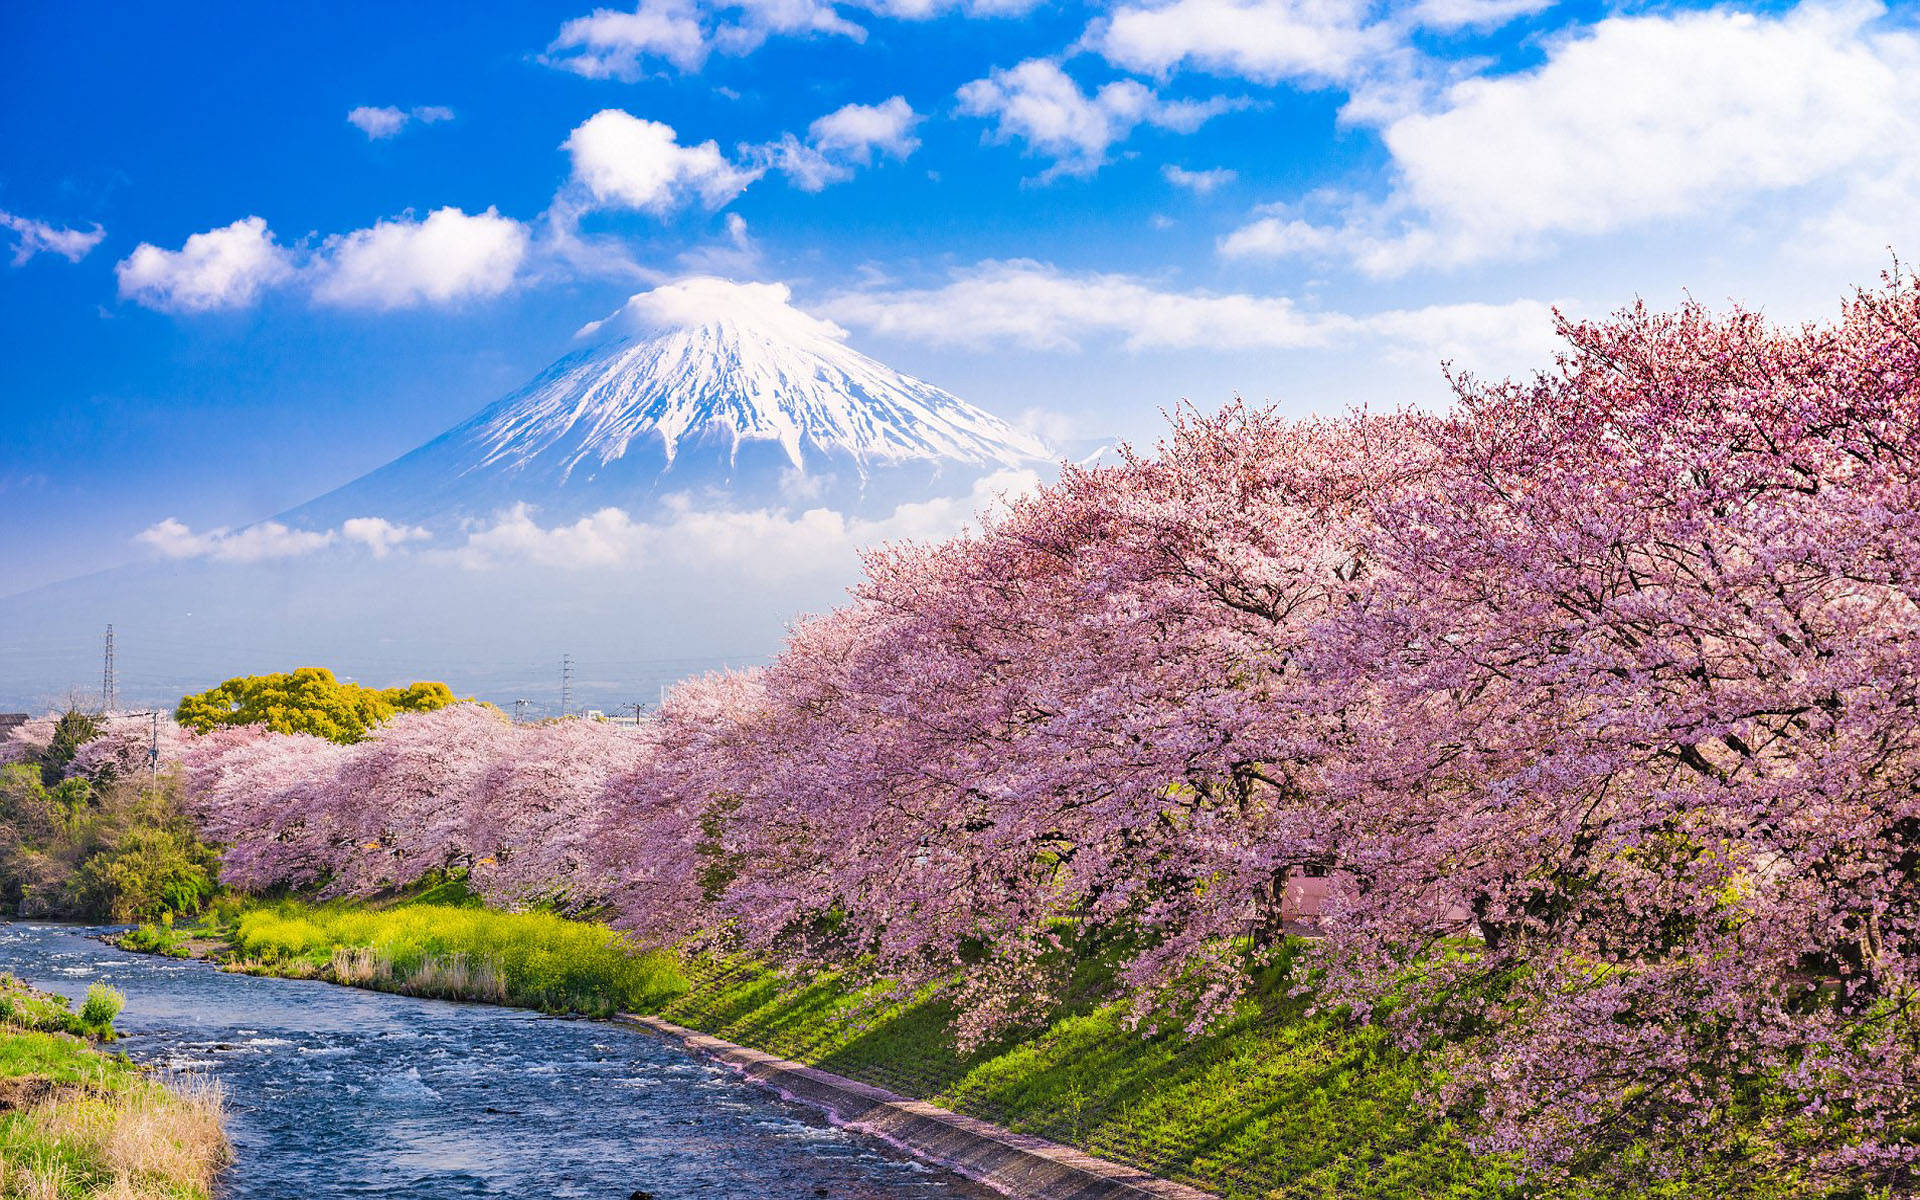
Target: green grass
1285, 1101
24, 1008
1280, 1102
457, 951
152, 938
75, 1122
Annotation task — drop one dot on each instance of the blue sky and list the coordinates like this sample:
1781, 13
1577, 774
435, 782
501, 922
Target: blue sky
249, 256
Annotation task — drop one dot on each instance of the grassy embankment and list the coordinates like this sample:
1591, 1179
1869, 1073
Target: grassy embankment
1285, 1101
1279, 1103
75, 1122
443, 944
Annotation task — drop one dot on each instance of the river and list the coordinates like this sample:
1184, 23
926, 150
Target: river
337, 1092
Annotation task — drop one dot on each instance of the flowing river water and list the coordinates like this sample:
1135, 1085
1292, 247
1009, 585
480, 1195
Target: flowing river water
333, 1092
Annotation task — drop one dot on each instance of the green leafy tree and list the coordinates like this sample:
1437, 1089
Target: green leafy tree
306, 700
122, 851
71, 731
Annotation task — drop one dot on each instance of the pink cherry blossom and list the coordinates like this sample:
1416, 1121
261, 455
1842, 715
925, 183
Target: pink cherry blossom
1593, 702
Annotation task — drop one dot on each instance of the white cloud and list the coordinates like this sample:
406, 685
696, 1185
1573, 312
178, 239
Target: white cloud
1038, 103
378, 123
269, 540
1813, 114
608, 44
221, 268
611, 44
1032, 304
1263, 40
768, 544
921, 10
605, 538
1038, 306
1275, 237
857, 130
697, 299
1198, 182
804, 166
1494, 339
387, 121
622, 161
380, 536
255, 543
449, 256
737, 256
1052, 427
36, 236
1447, 15
842, 139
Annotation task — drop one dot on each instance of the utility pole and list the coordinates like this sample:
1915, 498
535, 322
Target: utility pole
107, 680
520, 710
566, 683
153, 745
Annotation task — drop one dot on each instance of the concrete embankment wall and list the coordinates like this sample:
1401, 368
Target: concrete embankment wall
1028, 1168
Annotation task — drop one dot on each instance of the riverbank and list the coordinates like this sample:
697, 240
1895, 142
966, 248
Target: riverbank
445, 946
1011, 1164
1282, 1101
339, 1092
1288, 1099
77, 1122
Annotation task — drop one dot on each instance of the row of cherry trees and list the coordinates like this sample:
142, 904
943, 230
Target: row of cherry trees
1593, 697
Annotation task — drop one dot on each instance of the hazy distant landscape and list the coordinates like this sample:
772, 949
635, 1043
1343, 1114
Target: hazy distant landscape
654, 506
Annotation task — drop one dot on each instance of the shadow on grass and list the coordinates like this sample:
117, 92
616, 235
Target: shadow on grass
1278, 1103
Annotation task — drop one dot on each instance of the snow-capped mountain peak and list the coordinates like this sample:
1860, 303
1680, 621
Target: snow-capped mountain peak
700, 384
706, 358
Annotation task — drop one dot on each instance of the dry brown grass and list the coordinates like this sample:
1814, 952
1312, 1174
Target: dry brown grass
148, 1141
447, 976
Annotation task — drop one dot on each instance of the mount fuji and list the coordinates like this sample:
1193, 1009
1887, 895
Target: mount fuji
723, 392
665, 499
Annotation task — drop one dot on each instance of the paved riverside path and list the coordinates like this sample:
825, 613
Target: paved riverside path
1020, 1165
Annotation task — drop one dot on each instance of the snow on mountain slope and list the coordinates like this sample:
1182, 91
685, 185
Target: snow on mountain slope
660, 502
702, 384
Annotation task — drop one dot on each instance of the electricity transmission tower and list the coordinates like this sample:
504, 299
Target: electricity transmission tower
566, 684
520, 710
107, 680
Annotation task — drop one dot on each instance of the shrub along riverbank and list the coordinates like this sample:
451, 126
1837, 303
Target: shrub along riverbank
1285, 1100
75, 1122
446, 946
88, 830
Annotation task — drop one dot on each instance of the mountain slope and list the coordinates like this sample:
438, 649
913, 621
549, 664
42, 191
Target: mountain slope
722, 422
701, 386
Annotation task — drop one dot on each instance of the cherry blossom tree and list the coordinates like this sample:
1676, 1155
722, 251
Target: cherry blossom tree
1648, 644
27, 741
406, 800
1593, 699
127, 747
